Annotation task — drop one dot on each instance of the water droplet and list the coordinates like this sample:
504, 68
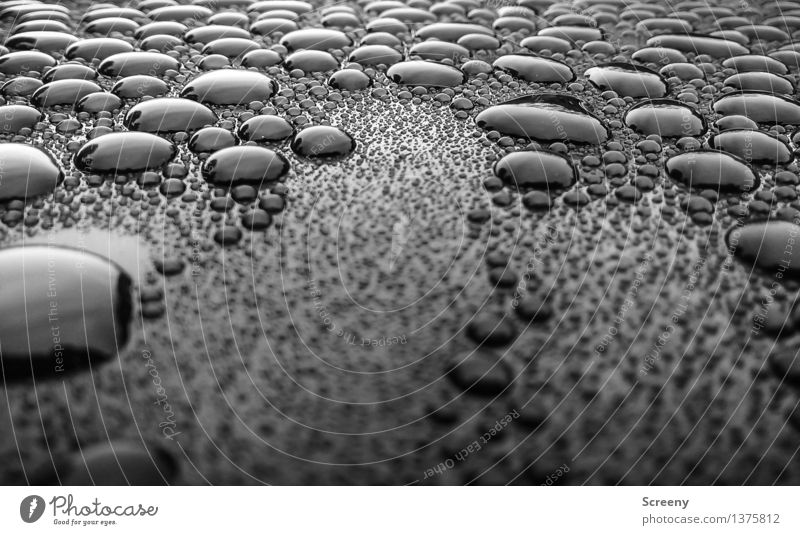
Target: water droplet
425, 73
349, 80
310, 61
266, 129
211, 139
760, 107
117, 463
544, 117
20, 86
14, 118
372, 55
535, 69
760, 81
323, 141
481, 373
767, 245
24, 62
166, 115
450, 31
69, 71
627, 80
26, 172
140, 85
699, 44
212, 32
124, 152
754, 63
97, 102
132, 63
753, 146
316, 39
47, 42
539, 43
573, 33
180, 13
97, 48
665, 118
438, 51
543, 170
64, 309
244, 165
63, 92
230, 87
712, 170
231, 47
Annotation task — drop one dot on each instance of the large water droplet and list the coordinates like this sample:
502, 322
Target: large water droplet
166, 115
310, 61
47, 42
244, 165
211, 139
26, 172
426, 74
666, 118
767, 245
545, 117
63, 92
323, 141
450, 31
371, 55
760, 81
23, 62
15, 117
230, 87
97, 48
124, 152
481, 373
536, 169
761, 107
535, 69
627, 80
753, 146
64, 310
699, 44
266, 129
316, 39
133, 63
712, 170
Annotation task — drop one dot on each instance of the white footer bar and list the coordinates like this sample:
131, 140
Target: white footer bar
400, 510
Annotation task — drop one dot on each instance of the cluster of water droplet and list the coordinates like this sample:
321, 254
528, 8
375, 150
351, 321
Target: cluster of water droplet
223, 118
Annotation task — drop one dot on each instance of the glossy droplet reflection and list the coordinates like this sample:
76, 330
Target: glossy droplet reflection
535, 69
761, 107
63, 310
546, 117
627, 80
536, 169
666, 118
27, 172
162, 115
230, 87
14, 118
712, 170
124, 152
244, 165
768, 246
425, 74
323, 141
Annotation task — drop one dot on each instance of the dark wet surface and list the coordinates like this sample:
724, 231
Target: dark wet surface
297, 243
